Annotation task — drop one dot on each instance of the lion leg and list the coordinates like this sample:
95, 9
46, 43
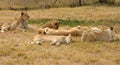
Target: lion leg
58, 43
53, 42
37, 42
14, 26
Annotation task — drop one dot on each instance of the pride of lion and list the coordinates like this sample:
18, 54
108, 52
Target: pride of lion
51, 32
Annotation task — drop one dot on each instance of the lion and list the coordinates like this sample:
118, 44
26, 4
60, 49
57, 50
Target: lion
54, 24
73, 32
106, 35
22, 23
55, 40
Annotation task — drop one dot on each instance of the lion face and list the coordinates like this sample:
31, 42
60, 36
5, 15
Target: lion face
24, 16
42, 31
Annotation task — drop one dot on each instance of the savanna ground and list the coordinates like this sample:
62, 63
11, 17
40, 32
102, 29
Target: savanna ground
15, 49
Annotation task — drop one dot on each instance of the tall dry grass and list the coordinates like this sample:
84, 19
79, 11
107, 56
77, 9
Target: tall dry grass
38, 4
15, 49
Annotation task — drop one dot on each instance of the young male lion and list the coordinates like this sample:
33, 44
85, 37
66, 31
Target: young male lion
55, 40
22, 23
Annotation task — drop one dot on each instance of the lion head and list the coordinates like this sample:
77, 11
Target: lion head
54, 24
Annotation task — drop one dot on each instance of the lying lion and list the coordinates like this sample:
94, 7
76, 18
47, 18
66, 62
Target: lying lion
55, 40
73, 31
107, 35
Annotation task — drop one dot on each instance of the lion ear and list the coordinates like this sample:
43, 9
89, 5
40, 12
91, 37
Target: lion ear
22, 13
111, 28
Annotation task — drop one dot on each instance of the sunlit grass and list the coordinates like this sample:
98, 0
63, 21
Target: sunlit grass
15, 49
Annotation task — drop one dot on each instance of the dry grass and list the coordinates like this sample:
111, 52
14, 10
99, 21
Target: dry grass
35, 4
15, 50
87, 13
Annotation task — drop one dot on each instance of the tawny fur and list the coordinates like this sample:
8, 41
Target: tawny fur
22, 23
54, 24
107, 35
41, 31
53, 39
73, 32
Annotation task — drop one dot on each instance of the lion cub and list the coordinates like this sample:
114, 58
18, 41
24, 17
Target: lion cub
55, 40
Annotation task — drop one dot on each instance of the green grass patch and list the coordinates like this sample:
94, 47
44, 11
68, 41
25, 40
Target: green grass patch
38, 21
76, 22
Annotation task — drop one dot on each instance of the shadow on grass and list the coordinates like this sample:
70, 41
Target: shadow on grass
76, 22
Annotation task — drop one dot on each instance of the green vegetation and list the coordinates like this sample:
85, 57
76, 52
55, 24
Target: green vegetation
75, 22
